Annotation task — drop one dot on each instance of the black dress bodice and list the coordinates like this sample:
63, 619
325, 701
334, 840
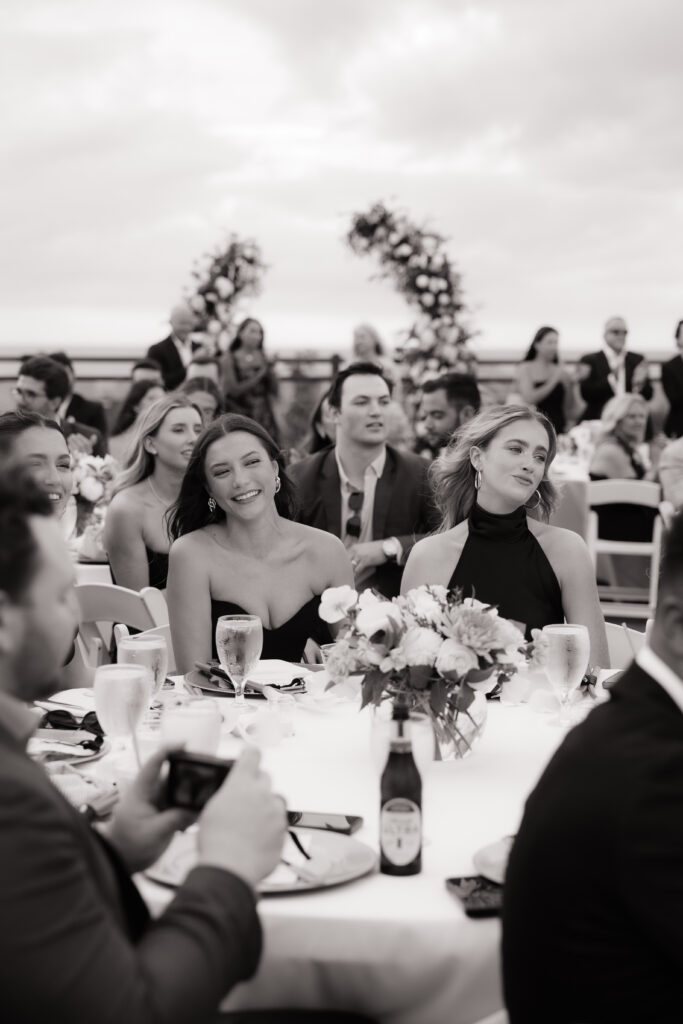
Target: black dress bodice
503, 564
288, 640
552, 406
158, 567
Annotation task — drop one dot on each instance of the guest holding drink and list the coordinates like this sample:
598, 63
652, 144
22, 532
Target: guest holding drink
135, 532
495, 498
543, 381
141, 394
249, 379
237, 551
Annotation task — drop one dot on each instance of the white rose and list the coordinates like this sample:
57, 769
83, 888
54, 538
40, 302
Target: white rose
382, 617
455, 657
367, 598
336, 602
436, 284
197, 303
91, 489
421, 646
422, 281
214, 327
427, 605
427, 299
443, 299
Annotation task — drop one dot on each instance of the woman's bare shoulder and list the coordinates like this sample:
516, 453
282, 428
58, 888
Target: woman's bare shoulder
198, 543
556, 541
441, 548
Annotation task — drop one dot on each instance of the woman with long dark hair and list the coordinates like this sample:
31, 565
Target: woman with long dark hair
135, 531
237, 550
140, 395
490, 486
543, 381
249, 379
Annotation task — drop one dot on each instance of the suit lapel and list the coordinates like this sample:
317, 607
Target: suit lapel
330, 493
383, 493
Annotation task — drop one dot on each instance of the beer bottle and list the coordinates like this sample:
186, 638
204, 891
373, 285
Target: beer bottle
400, 803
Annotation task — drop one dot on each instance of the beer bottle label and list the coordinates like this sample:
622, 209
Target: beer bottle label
400, 830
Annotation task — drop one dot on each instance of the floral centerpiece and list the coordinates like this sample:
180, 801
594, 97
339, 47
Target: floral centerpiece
222, 277
93, 478
431, 649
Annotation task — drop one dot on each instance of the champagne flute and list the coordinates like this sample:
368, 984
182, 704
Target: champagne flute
148, 649
122, 695
239, 641
567, 655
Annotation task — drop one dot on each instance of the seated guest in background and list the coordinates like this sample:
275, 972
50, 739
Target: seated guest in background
249, 379
77, 941
670, 472
136, 535
490, 486
612, 371
205, 395
205, 366
323, 426
375, 498
74, 406
147, 369
139, 397
236, 548
543, 381
43, 387
672, 385
593, 909
446, 403
174, 353
368, 348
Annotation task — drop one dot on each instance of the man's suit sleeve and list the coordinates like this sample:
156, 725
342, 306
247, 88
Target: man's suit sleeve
64, 956
427, 519
595, 389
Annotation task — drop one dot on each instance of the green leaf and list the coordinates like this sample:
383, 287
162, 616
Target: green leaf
463, 698
478, 675
437, 697
419, 676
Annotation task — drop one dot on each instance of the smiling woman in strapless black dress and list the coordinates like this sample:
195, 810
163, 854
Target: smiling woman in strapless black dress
489, 545
236, 549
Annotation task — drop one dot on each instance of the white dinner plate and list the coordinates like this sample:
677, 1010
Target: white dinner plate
492, 860
61, 753
217, 687
334, 860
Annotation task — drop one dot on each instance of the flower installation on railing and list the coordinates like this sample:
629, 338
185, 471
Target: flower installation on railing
222, 277
415, 260
431, 650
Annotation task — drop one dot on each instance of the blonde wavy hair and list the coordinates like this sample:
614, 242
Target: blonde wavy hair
140, 462
452, 474
617, 408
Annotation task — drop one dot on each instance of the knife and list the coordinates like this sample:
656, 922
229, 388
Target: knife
69, 737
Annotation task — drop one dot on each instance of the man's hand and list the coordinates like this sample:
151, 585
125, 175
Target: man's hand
139, 830
242, 827
366, 555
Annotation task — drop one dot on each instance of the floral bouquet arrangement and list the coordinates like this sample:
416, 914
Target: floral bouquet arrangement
93, 480
221, 278
430, 649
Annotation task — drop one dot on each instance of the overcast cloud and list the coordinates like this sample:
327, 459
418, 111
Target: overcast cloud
542, 138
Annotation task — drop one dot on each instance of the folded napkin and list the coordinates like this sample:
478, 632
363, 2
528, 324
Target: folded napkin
280, 675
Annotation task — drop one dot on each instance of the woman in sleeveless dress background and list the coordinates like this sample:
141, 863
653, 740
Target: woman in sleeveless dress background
249, 379
543, 381
486, 485
235, 548
136, 536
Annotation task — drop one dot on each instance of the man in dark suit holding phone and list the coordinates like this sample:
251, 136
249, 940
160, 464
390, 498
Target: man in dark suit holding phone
612, 371
593, 907
77, 943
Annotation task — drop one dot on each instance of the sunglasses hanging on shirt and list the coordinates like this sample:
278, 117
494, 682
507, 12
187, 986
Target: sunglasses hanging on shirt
353, 523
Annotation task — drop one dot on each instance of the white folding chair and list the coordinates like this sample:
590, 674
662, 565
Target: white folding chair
121, 631
616, 601
102, 605
623, 644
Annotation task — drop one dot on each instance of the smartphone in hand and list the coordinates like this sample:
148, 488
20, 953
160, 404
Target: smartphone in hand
193, 779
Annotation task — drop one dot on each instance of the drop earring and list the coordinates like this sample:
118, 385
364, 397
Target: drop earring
477, 479
278, 484
212, 505
530, 508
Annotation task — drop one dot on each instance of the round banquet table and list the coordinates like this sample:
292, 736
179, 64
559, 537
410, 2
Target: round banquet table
399, 949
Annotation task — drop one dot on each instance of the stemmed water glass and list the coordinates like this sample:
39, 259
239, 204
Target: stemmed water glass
566, 661
239, 641
148, 649
122, 695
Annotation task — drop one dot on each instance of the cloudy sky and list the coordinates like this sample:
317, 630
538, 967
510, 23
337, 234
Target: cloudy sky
542, 138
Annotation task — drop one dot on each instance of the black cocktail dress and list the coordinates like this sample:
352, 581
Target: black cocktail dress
288, 640
503, 564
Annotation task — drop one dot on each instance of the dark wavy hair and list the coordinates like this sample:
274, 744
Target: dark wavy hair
15, 422
365, 369
237, 340
129, 408
540, 334
194, 384
191, 510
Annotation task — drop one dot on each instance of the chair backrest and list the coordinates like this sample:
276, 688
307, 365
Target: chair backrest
121, 630
104, 604
623, 644
624, 492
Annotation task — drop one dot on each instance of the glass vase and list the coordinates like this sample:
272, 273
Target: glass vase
457, 737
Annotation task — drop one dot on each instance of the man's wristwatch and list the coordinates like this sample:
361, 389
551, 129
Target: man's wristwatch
391, 548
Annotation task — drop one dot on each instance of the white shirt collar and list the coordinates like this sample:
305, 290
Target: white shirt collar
376, 467
615, 359
661, 673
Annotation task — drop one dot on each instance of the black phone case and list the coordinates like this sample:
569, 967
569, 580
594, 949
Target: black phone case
479, 896
193, 779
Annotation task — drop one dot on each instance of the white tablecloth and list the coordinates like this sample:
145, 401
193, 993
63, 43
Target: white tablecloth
399, 949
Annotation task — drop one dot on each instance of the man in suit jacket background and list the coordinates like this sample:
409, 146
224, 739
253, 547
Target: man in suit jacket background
76, 942
672, 385
77, 408
612, 371
593, 908
372, 496
43, 387
174, 353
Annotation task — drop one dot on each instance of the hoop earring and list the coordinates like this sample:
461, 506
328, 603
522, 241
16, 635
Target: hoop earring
278, 484
212, 505
477, 479
531, 508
